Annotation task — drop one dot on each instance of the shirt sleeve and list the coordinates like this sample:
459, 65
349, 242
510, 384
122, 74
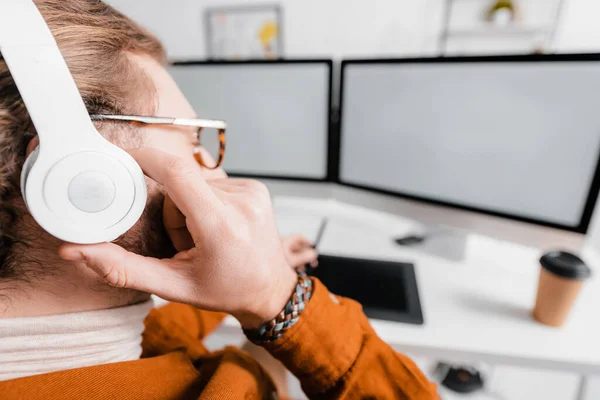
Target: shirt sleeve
198, 323
336, 354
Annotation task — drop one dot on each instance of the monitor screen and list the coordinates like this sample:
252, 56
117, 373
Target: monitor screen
277, 113
512, 138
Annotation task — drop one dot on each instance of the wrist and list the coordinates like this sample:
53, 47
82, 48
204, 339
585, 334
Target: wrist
269, 302
289, 315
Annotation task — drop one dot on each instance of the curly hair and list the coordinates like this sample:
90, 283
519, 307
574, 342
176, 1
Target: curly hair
96, 42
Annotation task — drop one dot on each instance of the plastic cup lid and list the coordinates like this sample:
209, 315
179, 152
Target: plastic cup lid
566, 265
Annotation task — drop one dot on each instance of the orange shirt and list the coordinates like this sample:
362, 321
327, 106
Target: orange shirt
332, 350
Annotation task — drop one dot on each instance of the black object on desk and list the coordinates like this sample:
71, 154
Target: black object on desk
410, 240
460, 379
387, 290
439, 241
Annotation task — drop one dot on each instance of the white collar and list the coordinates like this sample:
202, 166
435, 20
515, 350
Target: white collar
37, 345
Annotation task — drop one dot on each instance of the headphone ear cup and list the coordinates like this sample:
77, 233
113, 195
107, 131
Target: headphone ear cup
87, 196
31, 159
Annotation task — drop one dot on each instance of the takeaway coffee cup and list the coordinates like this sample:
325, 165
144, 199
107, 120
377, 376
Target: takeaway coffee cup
562, 275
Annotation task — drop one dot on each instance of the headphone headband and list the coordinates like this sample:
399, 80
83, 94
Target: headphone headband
41, 74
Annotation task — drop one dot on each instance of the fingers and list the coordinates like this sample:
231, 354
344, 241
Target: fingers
298, 241
306, 256
175, 225
244, 194
300, 251
119, 267
182, 179
232, 185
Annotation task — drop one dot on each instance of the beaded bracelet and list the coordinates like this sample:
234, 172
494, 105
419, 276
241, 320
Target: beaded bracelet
290, 314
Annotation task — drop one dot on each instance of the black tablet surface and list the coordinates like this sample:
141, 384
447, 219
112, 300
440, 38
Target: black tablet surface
386, 290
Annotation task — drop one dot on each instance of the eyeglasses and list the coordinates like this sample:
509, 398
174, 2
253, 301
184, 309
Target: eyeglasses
216, 142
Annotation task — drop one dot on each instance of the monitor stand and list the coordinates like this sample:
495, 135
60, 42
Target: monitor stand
437, 240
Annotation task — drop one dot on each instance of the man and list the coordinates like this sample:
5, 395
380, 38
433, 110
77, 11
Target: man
76, 320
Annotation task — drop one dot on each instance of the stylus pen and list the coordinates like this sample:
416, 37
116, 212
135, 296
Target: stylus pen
307, 267
320, 233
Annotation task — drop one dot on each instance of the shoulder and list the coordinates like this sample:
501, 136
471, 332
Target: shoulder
175, 325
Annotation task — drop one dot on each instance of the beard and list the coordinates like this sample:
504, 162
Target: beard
35, 265
148, 237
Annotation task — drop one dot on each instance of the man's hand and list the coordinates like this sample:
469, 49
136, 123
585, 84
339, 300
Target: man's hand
231, 258
299, 251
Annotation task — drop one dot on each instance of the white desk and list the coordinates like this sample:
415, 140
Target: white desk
474, 310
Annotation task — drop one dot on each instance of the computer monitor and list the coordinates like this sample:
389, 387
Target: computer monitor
277, 113
517, 137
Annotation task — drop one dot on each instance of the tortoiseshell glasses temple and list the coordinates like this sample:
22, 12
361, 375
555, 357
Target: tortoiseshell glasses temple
197, 123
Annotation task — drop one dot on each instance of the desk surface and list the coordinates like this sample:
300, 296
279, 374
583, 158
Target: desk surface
476, 309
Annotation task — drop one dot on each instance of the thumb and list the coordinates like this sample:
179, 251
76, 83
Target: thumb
117, 266
305, 256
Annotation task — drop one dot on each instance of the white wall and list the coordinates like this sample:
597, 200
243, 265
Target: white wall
355, 28
579, 30
311, 28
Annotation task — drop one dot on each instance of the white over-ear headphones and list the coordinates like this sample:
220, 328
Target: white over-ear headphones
77, 186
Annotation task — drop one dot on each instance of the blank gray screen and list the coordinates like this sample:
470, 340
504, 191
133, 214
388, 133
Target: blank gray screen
515, 138
277, 114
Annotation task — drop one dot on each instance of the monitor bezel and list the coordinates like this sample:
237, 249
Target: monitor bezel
592, 196
331, 170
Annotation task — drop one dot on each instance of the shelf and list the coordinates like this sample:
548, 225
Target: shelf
498, 31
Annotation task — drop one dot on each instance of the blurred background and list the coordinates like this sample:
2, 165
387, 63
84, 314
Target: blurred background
382, 28
503, 150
